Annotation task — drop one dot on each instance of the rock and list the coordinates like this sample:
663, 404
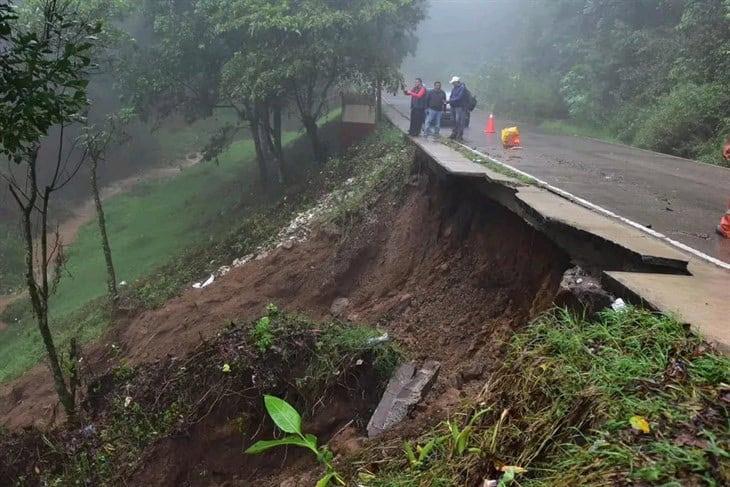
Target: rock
346, 442
444, 267
339, 306
582, 292
472, 372
406, 388
288, 244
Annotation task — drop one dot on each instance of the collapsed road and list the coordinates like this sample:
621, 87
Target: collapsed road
633, 262
681, 198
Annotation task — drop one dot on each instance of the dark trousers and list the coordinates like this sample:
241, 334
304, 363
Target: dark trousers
459, 122
418, 115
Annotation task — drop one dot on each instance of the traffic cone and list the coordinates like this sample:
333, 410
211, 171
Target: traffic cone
489, 129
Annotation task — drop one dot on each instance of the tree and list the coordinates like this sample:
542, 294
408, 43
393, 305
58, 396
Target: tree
96, 141
312, 46
44, 74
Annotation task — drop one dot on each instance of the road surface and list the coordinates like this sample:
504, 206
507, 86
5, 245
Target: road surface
680, 198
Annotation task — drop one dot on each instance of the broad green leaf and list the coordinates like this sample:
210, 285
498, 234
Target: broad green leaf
283, 414
325, 481
263, 445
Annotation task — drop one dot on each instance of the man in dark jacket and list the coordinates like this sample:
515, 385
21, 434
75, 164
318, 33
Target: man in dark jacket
459, 105
418, 107
435, 103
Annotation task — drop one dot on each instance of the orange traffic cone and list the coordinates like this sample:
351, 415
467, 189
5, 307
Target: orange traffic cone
489, 129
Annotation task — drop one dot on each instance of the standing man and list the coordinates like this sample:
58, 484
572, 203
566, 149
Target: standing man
418, 107
458, 101
435, 103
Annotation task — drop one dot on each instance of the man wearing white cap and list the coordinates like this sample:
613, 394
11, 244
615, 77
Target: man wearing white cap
458, 101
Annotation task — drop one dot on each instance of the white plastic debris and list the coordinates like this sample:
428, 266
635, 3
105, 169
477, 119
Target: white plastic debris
618, 305
123, 283
127, 401
376, 340
206, 283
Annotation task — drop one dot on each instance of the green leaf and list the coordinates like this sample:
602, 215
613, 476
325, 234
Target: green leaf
325, 481
263, 445
283, 414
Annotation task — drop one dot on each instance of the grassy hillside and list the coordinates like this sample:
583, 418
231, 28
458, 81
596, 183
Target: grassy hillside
148, 227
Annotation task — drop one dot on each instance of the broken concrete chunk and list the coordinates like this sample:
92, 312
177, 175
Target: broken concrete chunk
405, 389
339, 306
581, 292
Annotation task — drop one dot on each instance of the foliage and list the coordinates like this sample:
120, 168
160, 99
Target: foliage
42, 85
289, 421
261, 334
519, 94
261, 58
629, 396
685, 117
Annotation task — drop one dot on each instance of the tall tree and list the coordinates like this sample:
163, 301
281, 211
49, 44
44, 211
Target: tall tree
44, 74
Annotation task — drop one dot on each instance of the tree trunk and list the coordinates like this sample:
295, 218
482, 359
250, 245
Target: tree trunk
260, 156
111, 276
267, 134
278, 149
312, 129
39, 296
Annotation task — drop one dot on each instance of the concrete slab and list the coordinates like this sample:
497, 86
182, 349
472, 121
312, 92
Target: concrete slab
702, 299
554, 207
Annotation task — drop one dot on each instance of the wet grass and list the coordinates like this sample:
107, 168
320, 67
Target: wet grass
569, 405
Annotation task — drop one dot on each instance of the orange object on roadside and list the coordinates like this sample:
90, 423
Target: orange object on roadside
511, 137
724, 227
489, 129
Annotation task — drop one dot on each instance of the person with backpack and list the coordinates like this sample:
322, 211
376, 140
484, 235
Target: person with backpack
460, 101
418, 107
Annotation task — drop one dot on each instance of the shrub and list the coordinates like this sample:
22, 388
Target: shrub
517, 94
686, 121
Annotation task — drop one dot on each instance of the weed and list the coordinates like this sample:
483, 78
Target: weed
567, 401
417, 458
261, 334
498, 168
289, 421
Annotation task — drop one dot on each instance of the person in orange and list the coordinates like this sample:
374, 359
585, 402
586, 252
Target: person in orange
418, 107
724, 227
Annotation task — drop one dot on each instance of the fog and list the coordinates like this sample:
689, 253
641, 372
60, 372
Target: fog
460, 36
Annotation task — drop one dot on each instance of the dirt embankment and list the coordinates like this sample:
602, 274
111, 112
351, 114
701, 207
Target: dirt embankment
448, 274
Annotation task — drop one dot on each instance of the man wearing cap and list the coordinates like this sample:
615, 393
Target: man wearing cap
458, 103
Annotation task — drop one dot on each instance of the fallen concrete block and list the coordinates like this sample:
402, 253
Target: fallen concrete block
405, 389
582, 293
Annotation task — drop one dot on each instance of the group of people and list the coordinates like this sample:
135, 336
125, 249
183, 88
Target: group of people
428, 106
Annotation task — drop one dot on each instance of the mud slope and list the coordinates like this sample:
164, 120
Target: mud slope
441, 269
